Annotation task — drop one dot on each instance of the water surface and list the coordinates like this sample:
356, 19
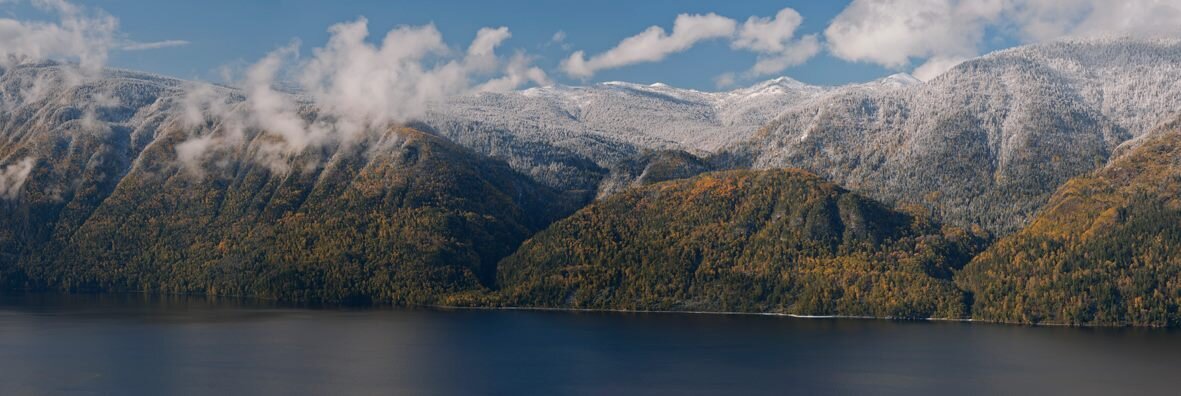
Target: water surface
122, 345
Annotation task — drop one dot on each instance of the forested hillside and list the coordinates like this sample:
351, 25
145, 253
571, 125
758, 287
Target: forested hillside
1105, 250
99, 199
752, 241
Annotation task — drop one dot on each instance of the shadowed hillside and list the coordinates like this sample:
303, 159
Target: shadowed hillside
407, 218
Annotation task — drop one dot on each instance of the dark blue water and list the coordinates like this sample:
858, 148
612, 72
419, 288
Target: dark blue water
122, 345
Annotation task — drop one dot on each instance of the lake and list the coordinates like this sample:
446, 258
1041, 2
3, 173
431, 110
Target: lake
131, 344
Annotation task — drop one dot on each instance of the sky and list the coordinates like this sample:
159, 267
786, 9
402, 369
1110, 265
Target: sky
707, 45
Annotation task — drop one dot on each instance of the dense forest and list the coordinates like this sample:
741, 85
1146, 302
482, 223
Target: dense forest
410, 219
1105, 250
415, 219
751, 241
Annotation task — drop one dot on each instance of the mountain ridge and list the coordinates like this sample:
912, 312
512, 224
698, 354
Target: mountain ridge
1010, 126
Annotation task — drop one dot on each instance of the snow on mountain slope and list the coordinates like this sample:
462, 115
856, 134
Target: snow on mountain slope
989, 140
1137, 83
610, 122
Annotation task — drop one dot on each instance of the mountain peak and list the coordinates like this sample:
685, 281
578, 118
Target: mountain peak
782, 81
900, 80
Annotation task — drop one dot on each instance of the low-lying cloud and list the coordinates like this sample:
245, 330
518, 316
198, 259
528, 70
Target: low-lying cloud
354, 86
13, 177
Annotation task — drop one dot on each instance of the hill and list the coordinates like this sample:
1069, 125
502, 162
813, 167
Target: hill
752, 241
1104, 250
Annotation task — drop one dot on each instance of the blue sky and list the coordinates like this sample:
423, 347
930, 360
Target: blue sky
235, 34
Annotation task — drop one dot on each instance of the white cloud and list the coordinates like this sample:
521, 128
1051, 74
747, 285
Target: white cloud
725, 80
935, 66
13, 177
517, 72
373, 85
793, 54
558, 39
769, 35
191, 153
154, 45
276, 113
355, 87
481, 54
202, 106
893, 33
82, 35
774, 39
652, 45
79, 35
1044, 20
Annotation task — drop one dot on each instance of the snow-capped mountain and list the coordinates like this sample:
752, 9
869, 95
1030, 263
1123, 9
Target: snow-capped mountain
989, 140
538, 130
689, 119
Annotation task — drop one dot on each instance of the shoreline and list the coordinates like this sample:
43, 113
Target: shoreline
337, 306
719, 313
798, 316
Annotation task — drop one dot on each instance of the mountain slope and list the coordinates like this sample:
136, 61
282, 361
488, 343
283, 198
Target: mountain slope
399, 216
79, 140
752, 241
574, 137
1105, 250
988, 141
